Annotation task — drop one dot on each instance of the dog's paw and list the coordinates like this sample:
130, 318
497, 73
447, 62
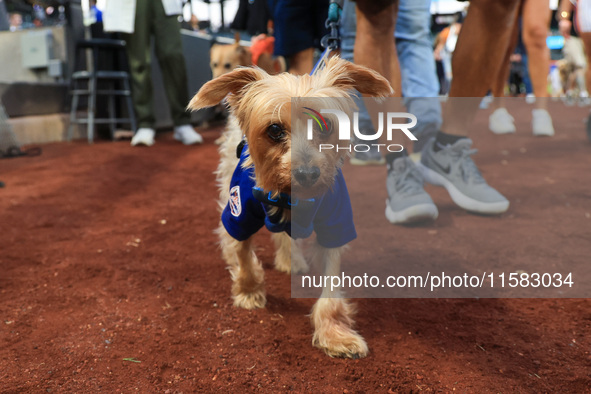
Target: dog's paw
288, 256
250, 300
291, 264
299, 264
343, 342
282, 263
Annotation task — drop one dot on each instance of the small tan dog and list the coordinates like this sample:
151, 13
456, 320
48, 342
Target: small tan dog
282, 161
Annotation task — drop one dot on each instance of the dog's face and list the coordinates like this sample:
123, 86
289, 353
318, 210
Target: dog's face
283, 157
225, 58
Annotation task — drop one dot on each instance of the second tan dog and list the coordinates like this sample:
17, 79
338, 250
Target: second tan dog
279, 159
225, 58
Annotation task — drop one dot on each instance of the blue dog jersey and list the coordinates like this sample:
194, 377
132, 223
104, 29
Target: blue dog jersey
331, 216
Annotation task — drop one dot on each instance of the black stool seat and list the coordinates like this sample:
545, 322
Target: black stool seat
90, 78
101, 43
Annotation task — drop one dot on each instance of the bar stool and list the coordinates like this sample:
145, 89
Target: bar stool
91, 78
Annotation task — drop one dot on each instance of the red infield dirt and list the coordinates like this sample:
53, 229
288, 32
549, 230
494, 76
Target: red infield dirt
111, 280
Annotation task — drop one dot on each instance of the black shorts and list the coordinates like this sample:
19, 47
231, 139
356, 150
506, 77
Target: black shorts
299, 24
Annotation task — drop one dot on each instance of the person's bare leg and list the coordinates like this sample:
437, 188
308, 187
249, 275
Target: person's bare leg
481, 47
536, 22
302, 62
498, 88
586, 37
374, 45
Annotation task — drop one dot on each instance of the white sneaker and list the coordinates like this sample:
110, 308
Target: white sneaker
541, 123
501, 122
187, 135
144, 136
530, 98
584, 99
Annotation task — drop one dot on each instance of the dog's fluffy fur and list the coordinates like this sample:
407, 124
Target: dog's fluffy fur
256, 101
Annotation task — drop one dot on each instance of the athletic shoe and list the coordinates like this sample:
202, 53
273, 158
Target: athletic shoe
530, 98
541, 123
144, 136
501, 122
187, 135
407, 201
453, 168
584, 100
369, 158
485, 102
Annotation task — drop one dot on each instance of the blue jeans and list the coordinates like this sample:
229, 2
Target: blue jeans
420, 86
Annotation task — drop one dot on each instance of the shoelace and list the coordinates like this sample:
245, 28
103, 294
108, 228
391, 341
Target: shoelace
470, 173
411, 179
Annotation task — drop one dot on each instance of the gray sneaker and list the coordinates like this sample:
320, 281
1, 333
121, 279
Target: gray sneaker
407, 201
453, 168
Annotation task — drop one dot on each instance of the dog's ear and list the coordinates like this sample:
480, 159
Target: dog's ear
233, 82
352, 76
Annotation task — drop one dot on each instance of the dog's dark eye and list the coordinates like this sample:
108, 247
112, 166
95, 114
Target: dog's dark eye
275, 132
214, 65
227, 66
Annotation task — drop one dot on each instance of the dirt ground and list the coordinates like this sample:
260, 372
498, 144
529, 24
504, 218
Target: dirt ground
111, 280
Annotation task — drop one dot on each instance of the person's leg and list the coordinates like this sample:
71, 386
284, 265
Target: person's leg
498, 86
481, 47
500, 121
420, 86
445, 160
374, 46
139, 57
586, 37
536, 22
407, 199
348, 27
169, 51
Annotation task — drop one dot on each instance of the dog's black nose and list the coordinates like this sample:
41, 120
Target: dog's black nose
307, 176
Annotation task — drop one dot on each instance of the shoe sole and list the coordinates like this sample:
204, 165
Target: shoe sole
459, 198
543, 134
358, 162
500, 132
141, 143
183, 142
413, 214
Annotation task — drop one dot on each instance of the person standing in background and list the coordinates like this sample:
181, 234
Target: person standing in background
444, 48
534, 26
139, 21
583, 22
408, 201
298, 28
